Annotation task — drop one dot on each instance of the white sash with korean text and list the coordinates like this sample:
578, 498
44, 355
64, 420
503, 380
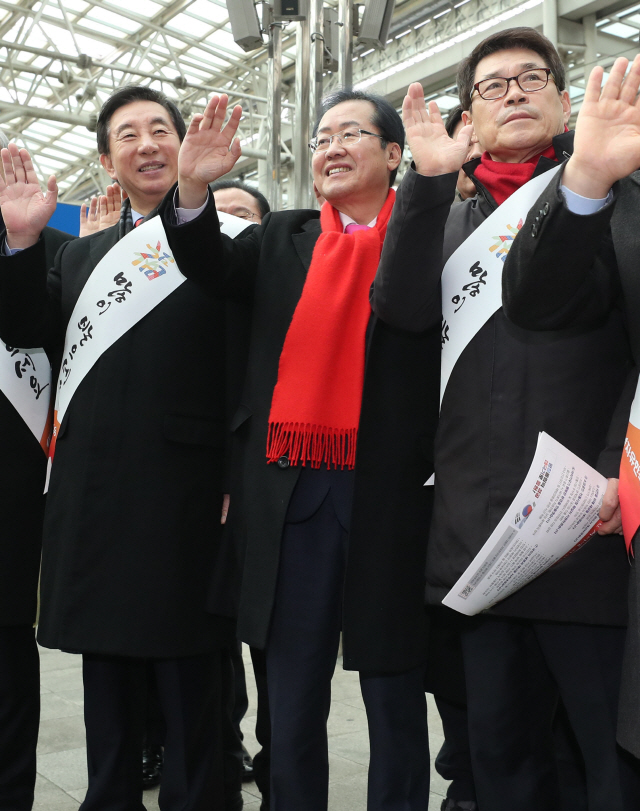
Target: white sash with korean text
136, 275
25, 380
472, 278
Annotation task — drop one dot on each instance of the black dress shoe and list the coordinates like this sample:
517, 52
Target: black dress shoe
247, 767
152, 760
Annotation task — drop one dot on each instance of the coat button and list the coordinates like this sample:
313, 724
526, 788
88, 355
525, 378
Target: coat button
283, 462
534, 233
545, 209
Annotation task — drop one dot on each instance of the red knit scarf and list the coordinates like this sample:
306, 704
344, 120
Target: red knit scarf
502, 179
315, 407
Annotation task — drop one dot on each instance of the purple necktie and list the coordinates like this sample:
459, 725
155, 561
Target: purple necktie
353, 227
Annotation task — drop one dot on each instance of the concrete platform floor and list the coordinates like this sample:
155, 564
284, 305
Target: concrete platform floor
62, 770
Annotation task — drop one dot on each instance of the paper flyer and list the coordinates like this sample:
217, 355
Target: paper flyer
554, 513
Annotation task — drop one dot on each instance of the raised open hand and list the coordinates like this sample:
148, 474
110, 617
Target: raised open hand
434, 153
102, 212
25, 208
89, 217
607, 142
208, 151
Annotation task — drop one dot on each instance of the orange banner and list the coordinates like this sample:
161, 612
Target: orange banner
54, 435
629, 488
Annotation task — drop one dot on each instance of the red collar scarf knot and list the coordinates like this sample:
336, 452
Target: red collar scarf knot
315, 409
502, 179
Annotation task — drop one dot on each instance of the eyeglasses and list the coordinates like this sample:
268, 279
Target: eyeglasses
244, 214
528, 81
349, 137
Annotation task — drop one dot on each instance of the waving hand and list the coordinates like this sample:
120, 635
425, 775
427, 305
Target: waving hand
607, 143
208, 151
433, 151
25, 208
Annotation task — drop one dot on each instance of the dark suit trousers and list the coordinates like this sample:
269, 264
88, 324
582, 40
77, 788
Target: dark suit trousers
191, 699
19, 716
301, 657
515, 672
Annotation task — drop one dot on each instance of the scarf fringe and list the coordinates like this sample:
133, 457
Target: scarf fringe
317, 444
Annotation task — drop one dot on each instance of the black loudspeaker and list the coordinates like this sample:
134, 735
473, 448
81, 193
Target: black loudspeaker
245, 26
290, 10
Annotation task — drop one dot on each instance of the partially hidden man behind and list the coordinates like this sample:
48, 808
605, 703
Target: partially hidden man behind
564, 632
327, 547
132, 518
22, 472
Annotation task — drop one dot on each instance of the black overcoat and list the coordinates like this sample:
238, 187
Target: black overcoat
132, 522
384, 624
22, 502
598, 257
507, 386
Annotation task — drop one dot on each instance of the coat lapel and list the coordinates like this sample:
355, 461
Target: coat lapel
305, 242
102, 243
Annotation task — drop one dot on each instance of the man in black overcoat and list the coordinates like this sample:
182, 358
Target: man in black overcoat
23, 474
564, 632
326, 550
573, 269
132, 523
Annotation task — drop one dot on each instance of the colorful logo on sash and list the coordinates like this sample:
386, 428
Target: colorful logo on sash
154, 263
503, 243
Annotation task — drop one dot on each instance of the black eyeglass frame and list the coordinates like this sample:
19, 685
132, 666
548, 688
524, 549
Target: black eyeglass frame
313, 143
509, 79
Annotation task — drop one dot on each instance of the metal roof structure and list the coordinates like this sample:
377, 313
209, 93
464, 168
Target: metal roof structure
60, 59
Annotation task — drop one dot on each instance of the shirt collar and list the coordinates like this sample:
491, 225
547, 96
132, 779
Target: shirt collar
345, 220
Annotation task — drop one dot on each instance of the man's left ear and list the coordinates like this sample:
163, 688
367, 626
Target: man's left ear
566, 106
394, 156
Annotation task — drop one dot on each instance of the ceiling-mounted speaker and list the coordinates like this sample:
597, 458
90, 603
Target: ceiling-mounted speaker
245, 26
376, 21
331, 33
290, 10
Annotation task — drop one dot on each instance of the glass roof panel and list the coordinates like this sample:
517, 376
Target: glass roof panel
117, 21
187, 25
620, 30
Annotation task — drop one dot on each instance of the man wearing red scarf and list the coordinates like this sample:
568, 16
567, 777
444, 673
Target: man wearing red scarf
561, 636
332, 515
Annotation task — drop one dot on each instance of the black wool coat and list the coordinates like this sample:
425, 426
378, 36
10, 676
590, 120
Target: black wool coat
22, 476
598, 257
507, 386
384, 623
132, 523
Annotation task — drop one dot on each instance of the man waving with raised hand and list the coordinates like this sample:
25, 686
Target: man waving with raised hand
571, 272
500, 387
132, 530
332, 515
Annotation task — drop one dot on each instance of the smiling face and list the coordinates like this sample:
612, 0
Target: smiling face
354, 175
520, 125
143, 153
